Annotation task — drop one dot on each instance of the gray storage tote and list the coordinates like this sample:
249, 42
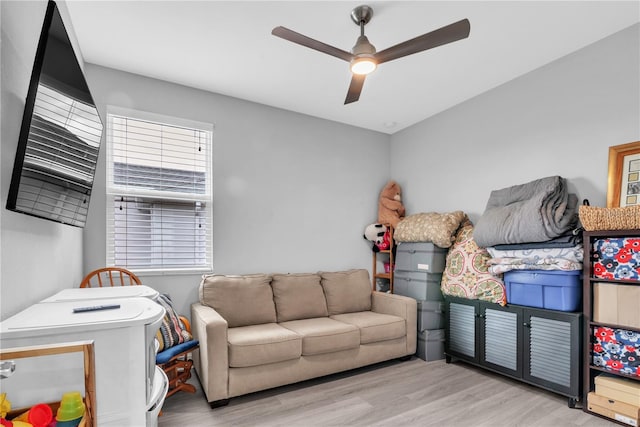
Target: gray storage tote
430, 315
420, 256
431, 345
421, 286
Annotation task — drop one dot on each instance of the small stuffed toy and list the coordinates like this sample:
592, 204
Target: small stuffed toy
390, 207
379, 235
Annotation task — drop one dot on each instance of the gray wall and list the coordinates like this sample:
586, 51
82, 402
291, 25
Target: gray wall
557, 120
38, 257
291, 193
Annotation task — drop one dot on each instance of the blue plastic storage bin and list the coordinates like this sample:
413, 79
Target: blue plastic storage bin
554, 290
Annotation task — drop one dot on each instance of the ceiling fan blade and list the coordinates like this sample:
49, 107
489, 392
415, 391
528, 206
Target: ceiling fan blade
303, 40
450, 33
355, 87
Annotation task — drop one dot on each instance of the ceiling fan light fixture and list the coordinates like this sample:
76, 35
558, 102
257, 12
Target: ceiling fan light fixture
364, 61
363, 65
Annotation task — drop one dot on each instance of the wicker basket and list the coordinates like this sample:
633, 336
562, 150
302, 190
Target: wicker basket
595, 218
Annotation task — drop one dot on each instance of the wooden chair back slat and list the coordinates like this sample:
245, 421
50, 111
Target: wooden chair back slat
105, 277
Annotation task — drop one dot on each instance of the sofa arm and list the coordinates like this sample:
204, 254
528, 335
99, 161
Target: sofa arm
401, 306
212, 363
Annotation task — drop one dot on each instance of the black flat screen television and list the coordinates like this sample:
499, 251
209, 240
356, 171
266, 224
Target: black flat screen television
60, 135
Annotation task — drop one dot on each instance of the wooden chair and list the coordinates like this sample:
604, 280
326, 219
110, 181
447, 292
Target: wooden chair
110, 276
175, 362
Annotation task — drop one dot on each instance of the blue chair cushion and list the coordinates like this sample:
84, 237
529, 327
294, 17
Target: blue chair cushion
166, 355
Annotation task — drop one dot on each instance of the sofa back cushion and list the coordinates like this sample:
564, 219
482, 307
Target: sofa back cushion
241, 300
298, 296
347, 291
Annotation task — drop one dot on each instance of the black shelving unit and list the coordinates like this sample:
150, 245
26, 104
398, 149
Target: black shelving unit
591, 370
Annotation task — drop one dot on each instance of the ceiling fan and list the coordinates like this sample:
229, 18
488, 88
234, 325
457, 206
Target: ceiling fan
363, 56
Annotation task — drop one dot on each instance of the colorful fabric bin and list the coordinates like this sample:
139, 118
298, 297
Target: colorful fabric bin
616, 350
616, 258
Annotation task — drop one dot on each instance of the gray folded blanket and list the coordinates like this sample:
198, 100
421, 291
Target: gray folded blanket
570, 239
537, 211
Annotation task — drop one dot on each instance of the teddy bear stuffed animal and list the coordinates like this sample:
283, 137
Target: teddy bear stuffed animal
390, 207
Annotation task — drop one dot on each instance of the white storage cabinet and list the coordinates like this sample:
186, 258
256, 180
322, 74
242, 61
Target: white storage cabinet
129, 387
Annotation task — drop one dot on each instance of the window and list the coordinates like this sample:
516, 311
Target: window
159, 197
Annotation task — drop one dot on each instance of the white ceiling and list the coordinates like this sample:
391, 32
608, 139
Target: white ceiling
227, 47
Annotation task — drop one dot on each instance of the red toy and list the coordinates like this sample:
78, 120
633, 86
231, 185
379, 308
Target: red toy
386, 241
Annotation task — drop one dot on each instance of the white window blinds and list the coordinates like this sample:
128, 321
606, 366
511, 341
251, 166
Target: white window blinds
159, 198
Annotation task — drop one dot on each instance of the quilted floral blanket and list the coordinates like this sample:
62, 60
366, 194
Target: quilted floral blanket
466, 272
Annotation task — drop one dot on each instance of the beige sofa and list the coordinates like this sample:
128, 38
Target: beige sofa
262, 331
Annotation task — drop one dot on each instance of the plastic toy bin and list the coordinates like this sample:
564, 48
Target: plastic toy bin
553, 290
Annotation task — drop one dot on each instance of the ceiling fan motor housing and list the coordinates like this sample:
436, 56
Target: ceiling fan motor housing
363, 47
361, 16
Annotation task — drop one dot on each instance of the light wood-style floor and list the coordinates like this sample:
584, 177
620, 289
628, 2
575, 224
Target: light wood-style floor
396, 393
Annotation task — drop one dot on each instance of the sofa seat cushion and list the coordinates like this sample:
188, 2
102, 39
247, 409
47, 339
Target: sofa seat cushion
261, 344
375, 327
298, 296
324, 335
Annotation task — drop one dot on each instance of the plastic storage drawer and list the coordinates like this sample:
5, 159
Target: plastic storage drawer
430, 345
430, 315
553, 290
421, 286
421, 256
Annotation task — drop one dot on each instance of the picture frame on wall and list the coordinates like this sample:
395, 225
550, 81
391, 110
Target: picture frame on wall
624, 175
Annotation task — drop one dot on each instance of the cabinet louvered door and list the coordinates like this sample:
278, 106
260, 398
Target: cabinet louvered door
537, 346
461, 333
552, 350
502, 339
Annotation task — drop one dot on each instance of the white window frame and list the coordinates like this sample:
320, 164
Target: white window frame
114, 190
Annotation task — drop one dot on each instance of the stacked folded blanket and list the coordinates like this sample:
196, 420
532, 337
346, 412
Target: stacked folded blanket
531, 226
547, 258
538, 211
